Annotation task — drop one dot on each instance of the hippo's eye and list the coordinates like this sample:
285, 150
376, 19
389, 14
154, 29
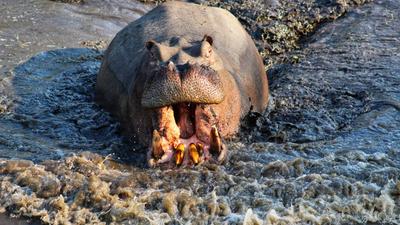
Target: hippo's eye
160, 52
152, 47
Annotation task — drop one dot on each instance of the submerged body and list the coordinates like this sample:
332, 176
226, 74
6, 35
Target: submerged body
180, 78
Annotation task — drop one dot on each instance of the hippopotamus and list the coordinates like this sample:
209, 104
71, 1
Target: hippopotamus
180, 79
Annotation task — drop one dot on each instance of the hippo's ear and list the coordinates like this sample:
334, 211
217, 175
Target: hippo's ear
208, 39
206, 49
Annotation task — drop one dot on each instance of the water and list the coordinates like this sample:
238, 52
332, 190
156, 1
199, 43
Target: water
323, 155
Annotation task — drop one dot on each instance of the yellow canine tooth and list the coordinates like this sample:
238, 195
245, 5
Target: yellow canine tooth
194, 154
157, 151
215, 141
200, 148
179, 153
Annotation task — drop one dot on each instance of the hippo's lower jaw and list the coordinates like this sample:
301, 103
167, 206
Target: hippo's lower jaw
185, 134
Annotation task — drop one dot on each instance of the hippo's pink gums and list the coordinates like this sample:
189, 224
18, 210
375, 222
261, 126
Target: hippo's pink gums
179, 79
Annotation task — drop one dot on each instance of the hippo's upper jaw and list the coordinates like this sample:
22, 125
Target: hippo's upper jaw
190, 82
185, 128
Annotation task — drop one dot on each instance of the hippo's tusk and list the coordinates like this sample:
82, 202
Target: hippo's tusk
200, 148
215, 141
156, 144
179, 153
194, 153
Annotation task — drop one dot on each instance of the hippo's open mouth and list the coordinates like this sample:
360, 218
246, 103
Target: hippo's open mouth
185, 125
184, 134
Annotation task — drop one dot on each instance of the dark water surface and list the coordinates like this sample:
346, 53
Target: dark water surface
6, 220
29, 27
327, 152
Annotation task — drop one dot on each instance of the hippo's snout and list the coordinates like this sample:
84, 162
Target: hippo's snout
190, 83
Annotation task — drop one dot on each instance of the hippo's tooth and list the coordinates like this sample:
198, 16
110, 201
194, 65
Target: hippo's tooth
194, 153
215, 141
200, 148
179, 153
156, 145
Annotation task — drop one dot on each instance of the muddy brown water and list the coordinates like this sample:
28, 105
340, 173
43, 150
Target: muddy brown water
324, 153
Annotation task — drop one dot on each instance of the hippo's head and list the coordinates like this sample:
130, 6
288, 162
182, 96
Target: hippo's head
178, 90
189, 94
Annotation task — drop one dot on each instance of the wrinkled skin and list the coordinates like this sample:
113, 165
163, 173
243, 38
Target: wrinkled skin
180, 79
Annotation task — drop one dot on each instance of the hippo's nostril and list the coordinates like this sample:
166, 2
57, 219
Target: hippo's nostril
183, 68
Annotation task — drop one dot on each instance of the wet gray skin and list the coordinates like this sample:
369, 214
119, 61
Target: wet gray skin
325, 152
